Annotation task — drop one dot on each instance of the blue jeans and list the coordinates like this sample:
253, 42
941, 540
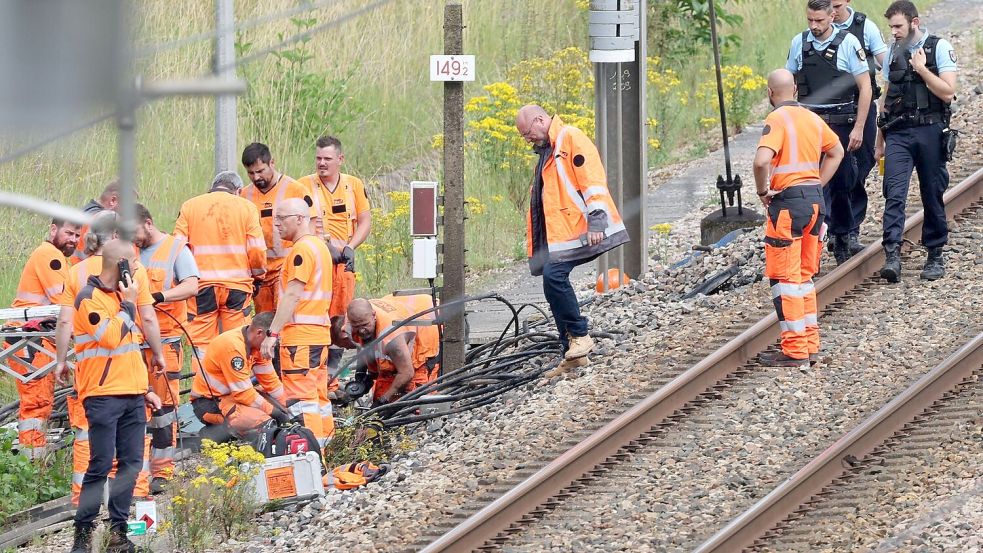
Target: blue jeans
563, 300
918, 148
117, 425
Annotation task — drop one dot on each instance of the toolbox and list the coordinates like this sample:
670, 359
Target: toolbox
289, 477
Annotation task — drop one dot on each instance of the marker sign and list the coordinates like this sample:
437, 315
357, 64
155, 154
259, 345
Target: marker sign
452, 68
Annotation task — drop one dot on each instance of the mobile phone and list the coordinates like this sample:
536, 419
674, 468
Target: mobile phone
124, 271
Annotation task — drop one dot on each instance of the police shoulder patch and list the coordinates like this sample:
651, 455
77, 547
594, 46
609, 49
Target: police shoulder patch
766, 130
861, 54
952, 55
578, 160
238, 363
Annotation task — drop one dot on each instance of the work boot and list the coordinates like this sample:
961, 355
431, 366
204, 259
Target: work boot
118, 542
157, 485
934, 265
83, 538
579, 347
891, 271
565, 365
854, 244
841, 249
779, 359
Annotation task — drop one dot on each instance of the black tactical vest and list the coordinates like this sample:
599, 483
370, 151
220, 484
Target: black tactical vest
819, 81
908, 94
857, 29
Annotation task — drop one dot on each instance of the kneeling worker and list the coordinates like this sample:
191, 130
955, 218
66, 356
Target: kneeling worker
222, 392
407, 357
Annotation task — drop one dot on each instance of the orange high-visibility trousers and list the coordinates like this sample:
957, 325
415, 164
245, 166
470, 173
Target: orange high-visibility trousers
792, 251
242, 418
304, 372
163, 424
36, 399
212, 311
342, 290
267, 296
80, 456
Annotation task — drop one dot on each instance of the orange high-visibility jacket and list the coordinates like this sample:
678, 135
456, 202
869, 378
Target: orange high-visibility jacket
309, 261
91, 208
425, 344
43, 278
228, 370
107, 344
276, 247
78, 276
798, 137
224, 234
160, 273
338, 210
574, 186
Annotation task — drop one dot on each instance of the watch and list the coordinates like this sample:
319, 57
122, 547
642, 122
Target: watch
271, 334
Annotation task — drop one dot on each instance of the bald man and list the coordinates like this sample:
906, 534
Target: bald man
572, 220
302, 325
113, 386
797, 155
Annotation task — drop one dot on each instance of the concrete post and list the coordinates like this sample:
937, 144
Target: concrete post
226, 120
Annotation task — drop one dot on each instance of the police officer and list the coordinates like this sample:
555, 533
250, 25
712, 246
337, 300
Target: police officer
833, 80
866, 31
913, 133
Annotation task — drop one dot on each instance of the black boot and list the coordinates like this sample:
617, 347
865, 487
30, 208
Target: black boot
934, 265
83, 538
118, 542
891, 271
854, 244
841, 249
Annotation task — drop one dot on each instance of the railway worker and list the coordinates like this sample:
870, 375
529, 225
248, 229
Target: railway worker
302, 325
833, 78
41, 281
269, 187
113, 386
225, 236
344, 219
572, 219
866, 31
797, 155
407, 357
101, 232
108, 200
173, 278
914, 134
223, 393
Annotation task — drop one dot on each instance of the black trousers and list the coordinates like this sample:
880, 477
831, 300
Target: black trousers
117, 425
838, 192
919, 149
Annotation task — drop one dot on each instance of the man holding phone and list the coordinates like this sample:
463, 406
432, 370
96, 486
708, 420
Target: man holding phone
113, 386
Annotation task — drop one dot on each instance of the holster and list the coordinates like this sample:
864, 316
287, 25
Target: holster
949, 143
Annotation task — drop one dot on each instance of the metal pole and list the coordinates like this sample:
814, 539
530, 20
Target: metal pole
225, 105
720, 100
453, 262
127, 139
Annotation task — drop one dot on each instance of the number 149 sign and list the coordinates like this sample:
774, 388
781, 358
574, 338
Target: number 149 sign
451, 68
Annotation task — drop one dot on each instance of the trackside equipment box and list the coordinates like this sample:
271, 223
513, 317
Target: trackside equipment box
289, 477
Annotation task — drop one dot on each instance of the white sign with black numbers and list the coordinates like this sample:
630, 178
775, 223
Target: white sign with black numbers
451, 68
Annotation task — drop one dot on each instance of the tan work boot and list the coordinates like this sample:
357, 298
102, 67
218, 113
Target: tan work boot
565, 366
579, 347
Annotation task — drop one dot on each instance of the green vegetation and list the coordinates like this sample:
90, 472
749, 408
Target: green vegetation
366, 81
25, 483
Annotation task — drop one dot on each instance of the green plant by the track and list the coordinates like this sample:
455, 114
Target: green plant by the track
25, 483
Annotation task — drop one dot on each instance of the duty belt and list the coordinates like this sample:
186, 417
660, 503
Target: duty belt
918, 120
840, 115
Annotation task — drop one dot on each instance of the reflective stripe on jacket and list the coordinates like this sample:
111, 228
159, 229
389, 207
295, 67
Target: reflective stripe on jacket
160, 273
43, 277
574, 187
266, 203
107, 344
225, 236
228, 370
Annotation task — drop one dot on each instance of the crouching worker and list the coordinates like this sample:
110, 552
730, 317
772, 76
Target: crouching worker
223, 395
403, 359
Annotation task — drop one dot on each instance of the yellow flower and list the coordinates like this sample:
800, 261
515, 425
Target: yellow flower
437, 142
662, 228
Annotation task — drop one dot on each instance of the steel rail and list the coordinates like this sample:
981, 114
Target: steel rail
655, 409
832, 463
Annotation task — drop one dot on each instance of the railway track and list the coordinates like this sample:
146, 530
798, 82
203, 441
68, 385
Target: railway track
554, 504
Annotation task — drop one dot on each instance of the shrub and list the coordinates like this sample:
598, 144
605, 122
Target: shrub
217, 495
360, 439
25, 483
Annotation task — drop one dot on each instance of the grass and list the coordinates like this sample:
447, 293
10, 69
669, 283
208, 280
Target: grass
388, 116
